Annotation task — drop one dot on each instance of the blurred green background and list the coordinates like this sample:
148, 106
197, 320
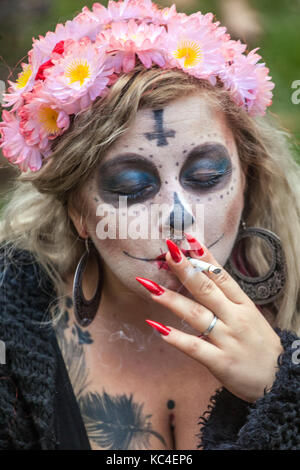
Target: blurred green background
273, 25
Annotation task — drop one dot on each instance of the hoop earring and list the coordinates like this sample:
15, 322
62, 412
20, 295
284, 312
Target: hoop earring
85, 310
263, 289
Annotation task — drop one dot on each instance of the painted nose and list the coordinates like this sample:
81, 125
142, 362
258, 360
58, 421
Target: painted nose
180, 218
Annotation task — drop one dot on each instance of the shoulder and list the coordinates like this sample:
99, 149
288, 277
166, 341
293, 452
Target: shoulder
24, 286
27, 379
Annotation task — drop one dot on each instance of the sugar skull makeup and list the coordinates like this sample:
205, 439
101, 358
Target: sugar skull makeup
181, 155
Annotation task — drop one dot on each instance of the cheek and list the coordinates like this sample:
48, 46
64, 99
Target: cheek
118, 230
233, 214
222, 222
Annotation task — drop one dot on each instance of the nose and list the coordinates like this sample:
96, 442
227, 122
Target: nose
180, 218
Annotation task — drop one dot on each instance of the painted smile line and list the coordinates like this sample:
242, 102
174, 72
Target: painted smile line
162, 258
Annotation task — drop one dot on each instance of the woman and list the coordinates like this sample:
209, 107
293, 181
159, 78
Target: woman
109, 194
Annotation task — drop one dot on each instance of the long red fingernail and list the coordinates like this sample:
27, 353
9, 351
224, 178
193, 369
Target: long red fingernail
151, 286
195, 245
164, 330
175, 252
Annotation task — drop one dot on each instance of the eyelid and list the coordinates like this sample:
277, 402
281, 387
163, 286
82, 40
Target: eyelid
213, 174
132, 189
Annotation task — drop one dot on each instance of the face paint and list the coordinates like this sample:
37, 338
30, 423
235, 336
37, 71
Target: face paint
160, 135
198, 166
207, 166
128, 175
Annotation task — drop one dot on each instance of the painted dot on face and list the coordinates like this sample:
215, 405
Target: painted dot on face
177, 163
221, 197
160, 166
166, 182
150, 156
171, 404
141, 149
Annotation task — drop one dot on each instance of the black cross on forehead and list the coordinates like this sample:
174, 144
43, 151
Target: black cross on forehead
160, 134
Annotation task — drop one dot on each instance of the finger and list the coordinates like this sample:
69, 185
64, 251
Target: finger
200, 350
224, 281
196, 315
203, 289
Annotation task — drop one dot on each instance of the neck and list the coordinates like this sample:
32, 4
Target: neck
120, 318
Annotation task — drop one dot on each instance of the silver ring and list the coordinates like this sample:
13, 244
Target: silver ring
211, 326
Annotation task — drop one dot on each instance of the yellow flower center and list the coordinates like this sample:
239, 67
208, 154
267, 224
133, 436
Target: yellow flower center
78, 71
24, 77
48, 118
190, 51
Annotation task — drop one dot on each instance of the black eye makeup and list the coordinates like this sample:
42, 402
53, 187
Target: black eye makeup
130, 176
207, 167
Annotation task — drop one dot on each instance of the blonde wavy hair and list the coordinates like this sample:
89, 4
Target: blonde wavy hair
35, 216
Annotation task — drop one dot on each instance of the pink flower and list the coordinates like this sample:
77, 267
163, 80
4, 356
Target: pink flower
167, 16
232, 48
24, 83
41, 119
14, 146
195, 47
80, 27
248, 82
79, 76
126, 10
126, 40
264, 93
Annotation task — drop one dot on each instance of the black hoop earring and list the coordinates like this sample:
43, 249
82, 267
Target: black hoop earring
262, 289
85, 310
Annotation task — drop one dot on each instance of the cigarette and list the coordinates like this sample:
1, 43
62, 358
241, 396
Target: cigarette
202, 266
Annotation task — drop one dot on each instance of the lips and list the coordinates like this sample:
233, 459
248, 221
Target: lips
161, 260
162, 257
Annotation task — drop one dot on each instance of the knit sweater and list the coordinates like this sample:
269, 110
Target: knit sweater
27, 380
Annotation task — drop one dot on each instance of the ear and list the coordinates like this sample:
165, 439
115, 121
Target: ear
77, 221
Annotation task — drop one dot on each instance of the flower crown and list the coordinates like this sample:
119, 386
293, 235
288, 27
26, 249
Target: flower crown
67, 70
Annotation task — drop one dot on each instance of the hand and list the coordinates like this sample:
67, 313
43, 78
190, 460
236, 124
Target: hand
242, 349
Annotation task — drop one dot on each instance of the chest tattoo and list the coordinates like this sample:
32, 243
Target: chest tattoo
112, 422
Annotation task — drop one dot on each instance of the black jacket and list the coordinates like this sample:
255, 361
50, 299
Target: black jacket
28, 380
